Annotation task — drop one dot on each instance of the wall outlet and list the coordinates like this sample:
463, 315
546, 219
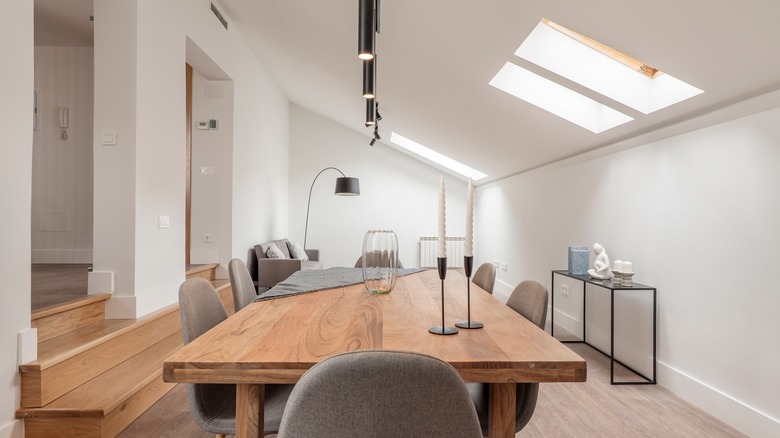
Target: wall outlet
565, 289
504, 266
163, 222
208, 171
207, 238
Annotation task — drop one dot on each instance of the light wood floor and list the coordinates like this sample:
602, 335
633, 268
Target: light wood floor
57, 283
591, 409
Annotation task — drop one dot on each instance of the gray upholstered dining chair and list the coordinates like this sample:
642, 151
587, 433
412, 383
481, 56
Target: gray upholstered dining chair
380, 393
529, 299
485, 277
241, 282
377, 254
212, 405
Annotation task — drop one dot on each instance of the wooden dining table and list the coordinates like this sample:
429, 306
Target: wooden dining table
276, 341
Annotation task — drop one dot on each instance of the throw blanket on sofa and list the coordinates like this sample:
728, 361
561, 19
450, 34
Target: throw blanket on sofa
303, 282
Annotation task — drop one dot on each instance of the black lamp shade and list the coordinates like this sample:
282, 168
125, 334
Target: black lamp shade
366, 29
347, 186
370, 112
369, 78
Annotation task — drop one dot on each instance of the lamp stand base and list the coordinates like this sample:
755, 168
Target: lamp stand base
439, 330
469, 324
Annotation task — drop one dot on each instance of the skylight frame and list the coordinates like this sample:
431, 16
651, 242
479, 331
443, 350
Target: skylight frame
602, 69
436, 157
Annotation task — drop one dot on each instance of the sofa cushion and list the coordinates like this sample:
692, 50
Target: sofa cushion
297, 251
281, 244
274, 252
305, 266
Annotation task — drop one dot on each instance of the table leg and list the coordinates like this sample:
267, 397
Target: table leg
501, 413
250, 406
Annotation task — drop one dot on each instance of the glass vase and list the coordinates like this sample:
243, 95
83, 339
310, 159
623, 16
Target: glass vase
380, 261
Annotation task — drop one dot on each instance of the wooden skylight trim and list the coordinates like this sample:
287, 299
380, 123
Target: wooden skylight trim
618, 56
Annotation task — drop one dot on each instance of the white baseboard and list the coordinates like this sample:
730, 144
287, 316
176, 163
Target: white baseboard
13, 429
502, 290
731, 411
61, 255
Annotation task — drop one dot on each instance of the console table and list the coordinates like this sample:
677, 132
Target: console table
608, 284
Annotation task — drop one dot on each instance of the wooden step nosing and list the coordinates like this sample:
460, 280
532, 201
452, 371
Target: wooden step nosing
49, 362
75, 304
203, 268
118, 399
58, 413
221, 284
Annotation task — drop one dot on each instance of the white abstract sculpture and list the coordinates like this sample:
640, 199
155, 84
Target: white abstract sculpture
601, 265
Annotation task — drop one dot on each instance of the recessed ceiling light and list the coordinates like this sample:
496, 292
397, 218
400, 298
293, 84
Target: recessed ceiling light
557, 99
602, 68
436, 157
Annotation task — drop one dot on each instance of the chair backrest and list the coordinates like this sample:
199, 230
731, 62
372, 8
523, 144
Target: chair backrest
201, 309
380, 393
530, 300
378, 256
241, 282
485, 277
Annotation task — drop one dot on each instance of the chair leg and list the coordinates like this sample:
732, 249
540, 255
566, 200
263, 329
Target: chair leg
220, 435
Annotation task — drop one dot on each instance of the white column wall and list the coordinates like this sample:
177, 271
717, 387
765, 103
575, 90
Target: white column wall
16, 116
697, 214
150, 117
397, 192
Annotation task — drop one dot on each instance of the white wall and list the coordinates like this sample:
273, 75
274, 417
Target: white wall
212, 194
62, 169
140, 81
697, 214
396, 192
16, 109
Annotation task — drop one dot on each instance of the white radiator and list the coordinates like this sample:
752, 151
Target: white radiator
429, 251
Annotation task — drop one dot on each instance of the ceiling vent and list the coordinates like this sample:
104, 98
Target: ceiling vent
218, 15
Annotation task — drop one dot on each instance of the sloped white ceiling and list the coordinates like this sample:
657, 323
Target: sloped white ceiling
436, 57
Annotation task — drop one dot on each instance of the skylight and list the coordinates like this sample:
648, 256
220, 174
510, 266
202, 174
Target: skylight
557, 99
602, 69
436, 157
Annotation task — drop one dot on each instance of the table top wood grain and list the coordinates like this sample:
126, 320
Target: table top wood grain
276, 341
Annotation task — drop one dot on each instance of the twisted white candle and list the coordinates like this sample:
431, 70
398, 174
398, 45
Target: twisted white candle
442, 214
470, 219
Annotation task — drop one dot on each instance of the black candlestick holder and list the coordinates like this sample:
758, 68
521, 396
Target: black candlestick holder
442, 329
468, 264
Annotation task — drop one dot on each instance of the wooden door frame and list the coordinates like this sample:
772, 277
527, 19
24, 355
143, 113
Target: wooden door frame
188, 190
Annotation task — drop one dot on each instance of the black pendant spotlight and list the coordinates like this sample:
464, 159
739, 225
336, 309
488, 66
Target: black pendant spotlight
368, 27
370, 112
369, 78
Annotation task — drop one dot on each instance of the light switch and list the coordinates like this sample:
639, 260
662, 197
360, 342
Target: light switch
163, 222
208, 171
108, 138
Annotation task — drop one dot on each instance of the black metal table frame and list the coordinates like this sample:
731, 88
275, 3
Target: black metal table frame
607, 284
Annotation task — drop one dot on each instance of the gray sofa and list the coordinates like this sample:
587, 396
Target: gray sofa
271, 271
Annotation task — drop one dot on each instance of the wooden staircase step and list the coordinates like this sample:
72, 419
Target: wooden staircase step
74, 358
225, 291
55, 320
207, 271
108, 403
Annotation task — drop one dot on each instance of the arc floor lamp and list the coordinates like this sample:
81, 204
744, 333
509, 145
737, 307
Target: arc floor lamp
345, 186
